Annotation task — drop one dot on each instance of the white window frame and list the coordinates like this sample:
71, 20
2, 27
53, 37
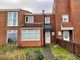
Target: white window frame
65, 17
12, 13
27, 31
11, 31
47, 20
29, 18
68, 37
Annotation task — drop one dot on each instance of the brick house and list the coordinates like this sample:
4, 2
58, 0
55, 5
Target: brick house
67, 17
25, 28
28, 29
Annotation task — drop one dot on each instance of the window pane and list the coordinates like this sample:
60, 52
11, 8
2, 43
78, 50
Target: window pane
24, 31
10, 22
30, 31
29, 19
30, 36
36, 31
66, 34
24, 36
14, 15
47, 19
26, 20
65, 18
14, 22
37, 36
9, 15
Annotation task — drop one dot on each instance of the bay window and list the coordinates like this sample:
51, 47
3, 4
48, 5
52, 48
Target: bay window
30, 35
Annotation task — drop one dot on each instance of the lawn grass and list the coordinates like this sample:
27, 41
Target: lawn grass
62, 54
11, 52
27, 49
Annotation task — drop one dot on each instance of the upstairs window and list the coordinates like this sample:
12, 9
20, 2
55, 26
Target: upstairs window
12, 19
65, 18
47, 20
29, 19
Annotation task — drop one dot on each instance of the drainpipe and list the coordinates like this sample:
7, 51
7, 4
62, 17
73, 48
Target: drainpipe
43, 18
43, 26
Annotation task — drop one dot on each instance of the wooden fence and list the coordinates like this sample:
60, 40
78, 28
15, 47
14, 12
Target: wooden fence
70, 46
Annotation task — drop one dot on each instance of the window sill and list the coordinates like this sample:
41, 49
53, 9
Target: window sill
31, 40
12, 26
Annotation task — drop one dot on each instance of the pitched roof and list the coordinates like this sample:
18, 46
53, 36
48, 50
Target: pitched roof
14, 10
67, 24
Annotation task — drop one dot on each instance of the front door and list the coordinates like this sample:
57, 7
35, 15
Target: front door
66, 36
47, 37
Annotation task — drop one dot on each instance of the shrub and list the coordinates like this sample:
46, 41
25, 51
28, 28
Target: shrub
34, 55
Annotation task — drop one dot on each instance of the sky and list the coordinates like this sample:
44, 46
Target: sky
35, 6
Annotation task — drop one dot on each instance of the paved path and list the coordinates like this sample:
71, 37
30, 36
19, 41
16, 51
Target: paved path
47, 53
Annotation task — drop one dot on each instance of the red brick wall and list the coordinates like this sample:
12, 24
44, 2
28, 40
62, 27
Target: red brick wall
4, 27
61, 8
72, 8
38, 18
53, 37
75, 18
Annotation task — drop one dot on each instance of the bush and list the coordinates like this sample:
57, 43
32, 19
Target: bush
7, 48
34, 55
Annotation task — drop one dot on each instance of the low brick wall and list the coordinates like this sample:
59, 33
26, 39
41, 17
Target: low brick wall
70, 46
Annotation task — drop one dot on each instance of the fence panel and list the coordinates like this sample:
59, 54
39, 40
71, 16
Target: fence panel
77, 49
70, 46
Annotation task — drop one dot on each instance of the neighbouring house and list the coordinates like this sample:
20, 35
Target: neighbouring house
67, 20
28, 29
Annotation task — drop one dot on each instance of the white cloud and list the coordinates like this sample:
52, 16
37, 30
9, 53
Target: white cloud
32, 5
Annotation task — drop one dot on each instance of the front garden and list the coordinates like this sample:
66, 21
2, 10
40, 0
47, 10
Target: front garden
62, 54
11, 52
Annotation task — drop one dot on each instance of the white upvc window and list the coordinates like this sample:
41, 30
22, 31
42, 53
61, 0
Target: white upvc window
66, 36
47, 20
29, 19
30, 35
12, 19
65, 18
12, 35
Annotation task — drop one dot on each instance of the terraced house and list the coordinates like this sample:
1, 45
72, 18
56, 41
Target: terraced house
25, 28
28, 29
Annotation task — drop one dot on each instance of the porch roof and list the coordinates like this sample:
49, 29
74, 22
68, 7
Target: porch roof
67, 26
48, 27
32, 25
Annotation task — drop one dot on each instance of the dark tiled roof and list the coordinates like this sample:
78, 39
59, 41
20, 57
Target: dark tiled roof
32, 25
67, 24
48, 27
